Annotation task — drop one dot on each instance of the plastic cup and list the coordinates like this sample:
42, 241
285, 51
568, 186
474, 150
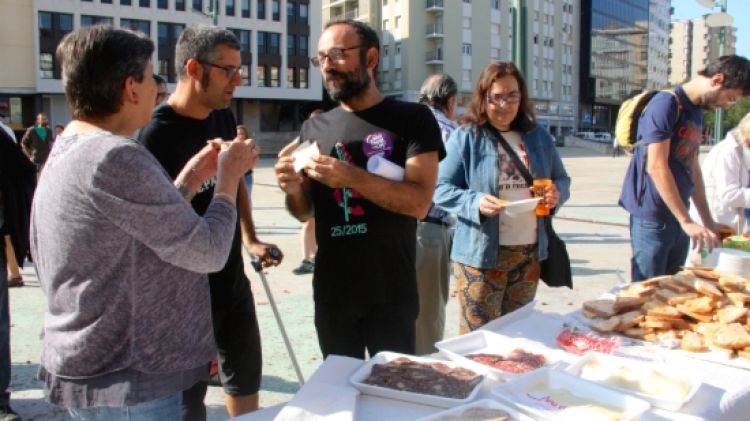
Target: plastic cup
540, 187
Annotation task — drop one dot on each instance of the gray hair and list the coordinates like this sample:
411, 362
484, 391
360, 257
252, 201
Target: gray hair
437, 91
200, 42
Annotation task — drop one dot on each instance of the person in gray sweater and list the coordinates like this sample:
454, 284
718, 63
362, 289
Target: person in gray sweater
121, 255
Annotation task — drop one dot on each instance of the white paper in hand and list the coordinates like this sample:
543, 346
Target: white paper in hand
305, 151
385, 168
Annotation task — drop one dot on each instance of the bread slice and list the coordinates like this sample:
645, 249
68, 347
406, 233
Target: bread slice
657, 308
732, 283
628, 303
708, 289
701, 317
630, 319
732, 336
738, 298
601, 308
655, 280
674, 285
607, 325
731, 314
693, 342
706, 274
638, 289
703, 305
655, 324
673, 298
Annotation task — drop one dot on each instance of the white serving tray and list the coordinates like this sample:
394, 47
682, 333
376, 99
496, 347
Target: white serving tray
544, 408
634, 366
482, 341
357, 380
482, 403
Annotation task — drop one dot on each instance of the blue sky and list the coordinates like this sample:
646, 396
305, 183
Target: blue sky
739, 9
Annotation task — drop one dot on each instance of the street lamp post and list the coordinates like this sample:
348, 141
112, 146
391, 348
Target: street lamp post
519, 35
718, 20
722, 35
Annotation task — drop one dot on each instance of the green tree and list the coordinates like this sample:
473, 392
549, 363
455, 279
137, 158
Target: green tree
730, 119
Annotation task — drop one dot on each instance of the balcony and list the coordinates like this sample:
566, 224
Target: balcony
352, 14
334, 3
434, 30
435, 6
434, 57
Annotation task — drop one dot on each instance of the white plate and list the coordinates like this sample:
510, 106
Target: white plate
611, 364
359, 376
521, 206
482, 341
543, 406
482, 403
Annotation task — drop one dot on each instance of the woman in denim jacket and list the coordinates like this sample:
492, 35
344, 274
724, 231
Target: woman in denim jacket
496, 253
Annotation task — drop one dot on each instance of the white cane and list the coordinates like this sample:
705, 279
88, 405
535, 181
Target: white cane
255, 261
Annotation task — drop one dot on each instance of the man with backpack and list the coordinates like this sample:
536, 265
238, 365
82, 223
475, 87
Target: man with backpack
665, 173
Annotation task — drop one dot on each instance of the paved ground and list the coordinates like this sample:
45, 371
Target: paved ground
592, 224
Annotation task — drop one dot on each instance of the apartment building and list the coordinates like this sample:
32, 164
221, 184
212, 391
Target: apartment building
693, 45
278, 87
459, 37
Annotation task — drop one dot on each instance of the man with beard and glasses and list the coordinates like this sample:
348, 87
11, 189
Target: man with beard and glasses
209, 69
364, 283
665, 173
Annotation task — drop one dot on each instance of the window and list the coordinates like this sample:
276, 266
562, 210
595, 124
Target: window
275, 11
398, 48
261, 9
302, 47
106, 1
302, 13
179, 5
385, 24
144, 3
167, 35
262, 43
246, 57
260, 74
466, 49
125, 2
467, 1
397, 22
136, 25
198, 5
275, 76
274, 44
245, 8
291, 12
162, 4
495, 4
290, 45
290, 77
229, 7
52, 28
88, 20
303, 77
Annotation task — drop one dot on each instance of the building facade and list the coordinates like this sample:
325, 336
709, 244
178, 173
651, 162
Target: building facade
694, 45
277, 89
421, 37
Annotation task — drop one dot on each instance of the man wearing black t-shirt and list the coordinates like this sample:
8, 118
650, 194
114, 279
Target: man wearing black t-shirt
364, 284
209, 69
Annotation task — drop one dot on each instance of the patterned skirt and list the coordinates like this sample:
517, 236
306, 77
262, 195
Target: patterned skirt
486, 294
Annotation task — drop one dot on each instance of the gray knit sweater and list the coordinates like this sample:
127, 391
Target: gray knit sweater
122, 258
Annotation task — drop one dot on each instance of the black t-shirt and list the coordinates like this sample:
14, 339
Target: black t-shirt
366, 254
174, 139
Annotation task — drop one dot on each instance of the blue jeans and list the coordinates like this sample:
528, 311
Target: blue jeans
4, 329
165, 409
658, 248
249, 183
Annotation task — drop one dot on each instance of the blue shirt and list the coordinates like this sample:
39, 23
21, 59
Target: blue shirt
657, 123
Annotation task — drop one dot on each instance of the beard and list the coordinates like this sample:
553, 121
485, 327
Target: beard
352, 86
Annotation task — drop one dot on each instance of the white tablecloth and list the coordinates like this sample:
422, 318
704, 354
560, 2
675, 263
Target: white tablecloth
333, 376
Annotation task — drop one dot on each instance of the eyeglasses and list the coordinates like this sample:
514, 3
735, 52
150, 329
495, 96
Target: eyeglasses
498, 99
335, 54
229, 71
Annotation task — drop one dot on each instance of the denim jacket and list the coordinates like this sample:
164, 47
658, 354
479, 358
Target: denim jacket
469, 171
